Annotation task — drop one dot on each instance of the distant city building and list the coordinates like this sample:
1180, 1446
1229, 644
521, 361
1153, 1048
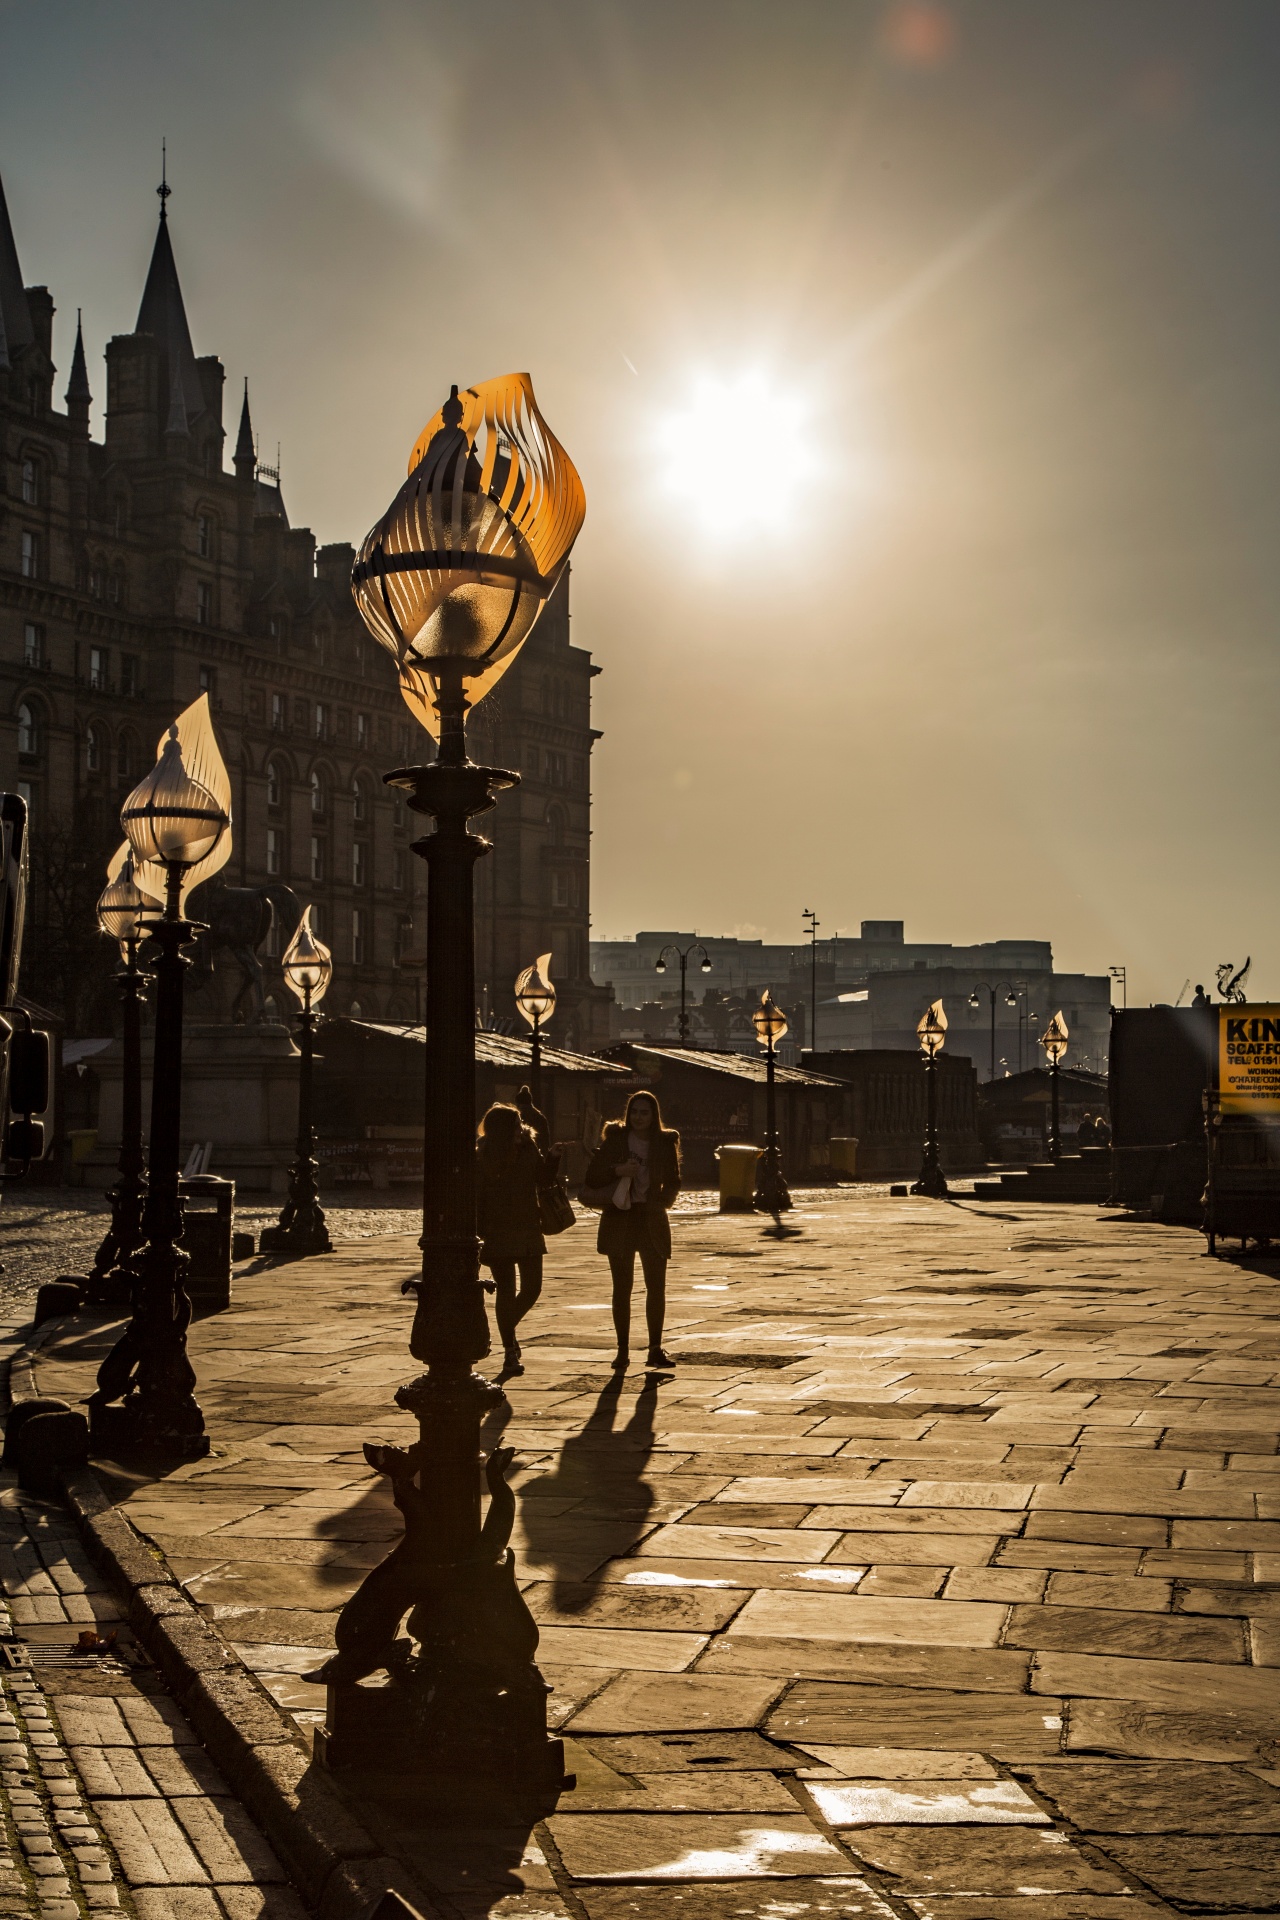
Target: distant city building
872, 989
137, 573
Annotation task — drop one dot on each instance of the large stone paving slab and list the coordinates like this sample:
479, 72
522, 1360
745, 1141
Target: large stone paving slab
936, 1495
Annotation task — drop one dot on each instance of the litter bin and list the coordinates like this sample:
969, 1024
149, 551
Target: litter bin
843, 1156
208, 1210
738, 1178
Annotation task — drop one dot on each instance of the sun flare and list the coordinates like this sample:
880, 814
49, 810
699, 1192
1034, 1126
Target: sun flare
739, 455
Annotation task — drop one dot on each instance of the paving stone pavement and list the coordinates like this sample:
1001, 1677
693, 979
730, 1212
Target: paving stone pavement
110, 1804
943, 1578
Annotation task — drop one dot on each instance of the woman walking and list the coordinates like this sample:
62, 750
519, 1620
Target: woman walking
510, 1167
634, 1177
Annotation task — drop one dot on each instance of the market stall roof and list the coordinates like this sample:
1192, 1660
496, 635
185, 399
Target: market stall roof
736, 1066
494, 1049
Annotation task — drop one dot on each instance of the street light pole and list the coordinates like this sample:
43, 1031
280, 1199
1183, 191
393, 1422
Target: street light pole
176, 824
772, 1193
301, 1229
812, 929
450, 581
683, 955
932, 1030
120, 907
1011, 1000
1054, 1041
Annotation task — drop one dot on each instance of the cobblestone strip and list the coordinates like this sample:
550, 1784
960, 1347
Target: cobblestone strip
66, 1871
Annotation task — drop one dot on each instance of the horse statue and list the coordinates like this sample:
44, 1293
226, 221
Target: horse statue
239, 920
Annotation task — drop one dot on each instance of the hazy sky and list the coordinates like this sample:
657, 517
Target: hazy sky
920, 362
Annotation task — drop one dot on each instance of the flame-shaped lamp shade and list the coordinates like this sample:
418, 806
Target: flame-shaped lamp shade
308, 964
463, 561
932, 1029
201, 761
769, 1021
122, 902
535, 995
1054, 1039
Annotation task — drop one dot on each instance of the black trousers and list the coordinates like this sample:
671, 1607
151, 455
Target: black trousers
622, 1267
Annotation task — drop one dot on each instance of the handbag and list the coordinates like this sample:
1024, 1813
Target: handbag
555, 1209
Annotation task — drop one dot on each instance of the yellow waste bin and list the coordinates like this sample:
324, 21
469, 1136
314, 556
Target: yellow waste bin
844, 1156
738, 1177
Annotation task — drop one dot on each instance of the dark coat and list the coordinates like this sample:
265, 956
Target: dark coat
507, 1201
664, 1185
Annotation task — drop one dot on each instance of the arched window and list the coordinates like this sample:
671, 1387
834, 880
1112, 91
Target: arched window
28, 730
318, 795
97, 748
275, 784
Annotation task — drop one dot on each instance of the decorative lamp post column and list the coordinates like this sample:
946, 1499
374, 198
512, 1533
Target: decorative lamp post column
1054, 1041
450, 581
683, 955
812, 923
536, 1001
121, 906
178, 823
932, 1030
301, 1230
772, 1195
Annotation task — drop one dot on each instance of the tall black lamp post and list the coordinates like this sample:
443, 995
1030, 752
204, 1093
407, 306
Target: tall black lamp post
536, 1002
772, 1193
179, 826
812, 923
683, 955
1054, 1041
121, 907
450, 581
1010, 1000
932, 1030
307, 967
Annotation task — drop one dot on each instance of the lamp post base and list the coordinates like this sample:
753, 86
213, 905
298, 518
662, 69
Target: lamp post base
301, 1232
932, 1182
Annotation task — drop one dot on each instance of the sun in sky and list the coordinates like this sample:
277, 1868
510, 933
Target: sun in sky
739, 454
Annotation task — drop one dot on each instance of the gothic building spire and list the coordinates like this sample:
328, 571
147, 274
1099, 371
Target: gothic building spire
16, 330
163, 315
78, 385
245, 458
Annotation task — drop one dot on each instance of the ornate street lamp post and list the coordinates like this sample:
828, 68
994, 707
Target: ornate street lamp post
301, 1230
450, 581
177, 822
536, 1000
1054, 1041
772, 1195
683, 955
1010, 1000
121, 906
932, 1029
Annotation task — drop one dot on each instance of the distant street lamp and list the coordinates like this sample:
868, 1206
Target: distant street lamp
121, 906
1054, 1041
450, 581
770, 1023
301, 1230
536, 1000
178, 825
811, 928
683, 955
1011, 1000
932, 1030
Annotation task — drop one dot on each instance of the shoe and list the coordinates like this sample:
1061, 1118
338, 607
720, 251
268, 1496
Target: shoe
659, 1357
621, 1361
512, 1350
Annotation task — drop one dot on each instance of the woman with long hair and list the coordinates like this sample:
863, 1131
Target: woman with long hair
634, 1177
510, 1167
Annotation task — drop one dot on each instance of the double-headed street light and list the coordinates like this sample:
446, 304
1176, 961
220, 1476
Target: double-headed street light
683, 955
1010, 1000
178, 825
536, 1001
301, 1230
932, 1032
1054, 1041
450, 581
772, 1195
121, 908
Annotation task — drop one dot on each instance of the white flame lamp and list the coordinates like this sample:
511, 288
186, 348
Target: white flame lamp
536, 1002
931, 1031
1054, 1041
450, 581
177, 823
302, 1230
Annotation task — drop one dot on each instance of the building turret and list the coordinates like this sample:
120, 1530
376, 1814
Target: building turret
78, 397
16, 331
245, 458
164, 316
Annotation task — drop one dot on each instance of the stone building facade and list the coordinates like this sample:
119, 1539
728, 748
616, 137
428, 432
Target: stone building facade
142, 569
